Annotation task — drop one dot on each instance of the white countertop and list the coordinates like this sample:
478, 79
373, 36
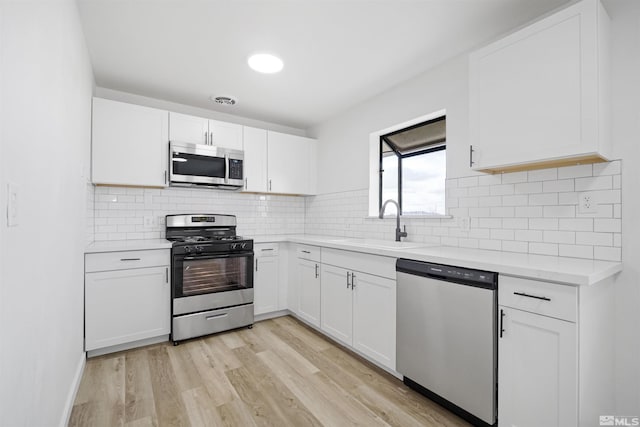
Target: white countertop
126, 245
571, 271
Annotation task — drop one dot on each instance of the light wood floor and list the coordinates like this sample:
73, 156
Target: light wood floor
280, 373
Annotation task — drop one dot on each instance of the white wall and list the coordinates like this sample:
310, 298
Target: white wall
344, 156
46, 87
625, 43
344, 140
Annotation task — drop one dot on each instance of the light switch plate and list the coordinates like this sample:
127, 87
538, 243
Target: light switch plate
12, 205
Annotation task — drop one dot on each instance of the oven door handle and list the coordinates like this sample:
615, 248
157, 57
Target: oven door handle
195, 258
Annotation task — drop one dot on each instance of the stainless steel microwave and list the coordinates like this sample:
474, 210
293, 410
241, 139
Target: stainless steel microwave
205, 165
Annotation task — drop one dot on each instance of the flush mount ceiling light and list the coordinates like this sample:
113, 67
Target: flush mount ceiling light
224, 100
265, 63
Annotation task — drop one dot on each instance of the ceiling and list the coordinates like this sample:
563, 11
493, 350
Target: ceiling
336, 53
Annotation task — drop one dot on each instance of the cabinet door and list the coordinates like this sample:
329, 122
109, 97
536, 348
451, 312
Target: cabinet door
129, 144
337, 303
227, 135
126, 305
534, 94
309, 291
185, 128
374, 318
265, 284
255, 160
537, 371
289, 163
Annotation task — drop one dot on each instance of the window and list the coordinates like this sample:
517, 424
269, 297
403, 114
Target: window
413, 168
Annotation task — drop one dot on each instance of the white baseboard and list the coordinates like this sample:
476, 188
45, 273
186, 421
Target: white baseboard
271, 315
73, 391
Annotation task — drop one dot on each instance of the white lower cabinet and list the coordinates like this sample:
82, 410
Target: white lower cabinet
126, 302
337, 303
265, 279
555, 353
358, 308
537, 370
308, 276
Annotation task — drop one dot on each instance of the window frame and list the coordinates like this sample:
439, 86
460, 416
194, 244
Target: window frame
438, 146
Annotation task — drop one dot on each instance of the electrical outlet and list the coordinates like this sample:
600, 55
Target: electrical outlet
587, 203
149, 221
465, 223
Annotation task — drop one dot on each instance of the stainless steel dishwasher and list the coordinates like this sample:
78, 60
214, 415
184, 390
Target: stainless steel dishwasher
447, 336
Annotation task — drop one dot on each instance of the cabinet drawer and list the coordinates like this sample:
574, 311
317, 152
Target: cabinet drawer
107, 261
265, 249
548, 299
356, 261
308, 252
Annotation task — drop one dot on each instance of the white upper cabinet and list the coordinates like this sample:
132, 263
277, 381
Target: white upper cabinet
255, 160
291, 164
129, 144
538, 97
198, 130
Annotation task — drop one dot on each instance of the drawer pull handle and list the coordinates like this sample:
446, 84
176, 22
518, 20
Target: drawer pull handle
129, 259
522, 294
264, 250
306, 252
217, 316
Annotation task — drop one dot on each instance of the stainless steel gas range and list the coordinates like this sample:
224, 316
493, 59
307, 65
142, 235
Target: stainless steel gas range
211, 275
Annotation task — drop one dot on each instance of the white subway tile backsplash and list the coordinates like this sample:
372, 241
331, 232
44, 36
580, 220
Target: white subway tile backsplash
562, 185
575, 224
490, 179
543, 199
576, 251
515, 223
513, 246
543, 175
607, 253
607, 168
607, 225
543, 248
567, 237
594, 183
529, 235
559, 211
514, 177
528, 188
543, 223
575, 171
516, 200
502, 189
528, 212
594, 239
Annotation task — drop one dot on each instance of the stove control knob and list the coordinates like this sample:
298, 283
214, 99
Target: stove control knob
244, 245
233, 246
187, 249
198, 249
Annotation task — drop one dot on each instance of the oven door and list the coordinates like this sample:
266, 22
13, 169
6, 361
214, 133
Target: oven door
205, 282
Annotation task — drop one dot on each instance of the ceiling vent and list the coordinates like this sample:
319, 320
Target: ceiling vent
224, 100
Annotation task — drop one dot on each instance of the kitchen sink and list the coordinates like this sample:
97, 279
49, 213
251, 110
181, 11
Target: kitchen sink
384, 244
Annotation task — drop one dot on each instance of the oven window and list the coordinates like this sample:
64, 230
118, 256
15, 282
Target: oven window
196, 165
203, 276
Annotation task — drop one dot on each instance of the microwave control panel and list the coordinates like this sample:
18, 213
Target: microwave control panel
235, 169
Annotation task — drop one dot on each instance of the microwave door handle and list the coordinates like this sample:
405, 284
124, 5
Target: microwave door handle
226, 168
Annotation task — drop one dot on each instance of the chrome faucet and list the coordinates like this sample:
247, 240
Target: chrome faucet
399, 233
